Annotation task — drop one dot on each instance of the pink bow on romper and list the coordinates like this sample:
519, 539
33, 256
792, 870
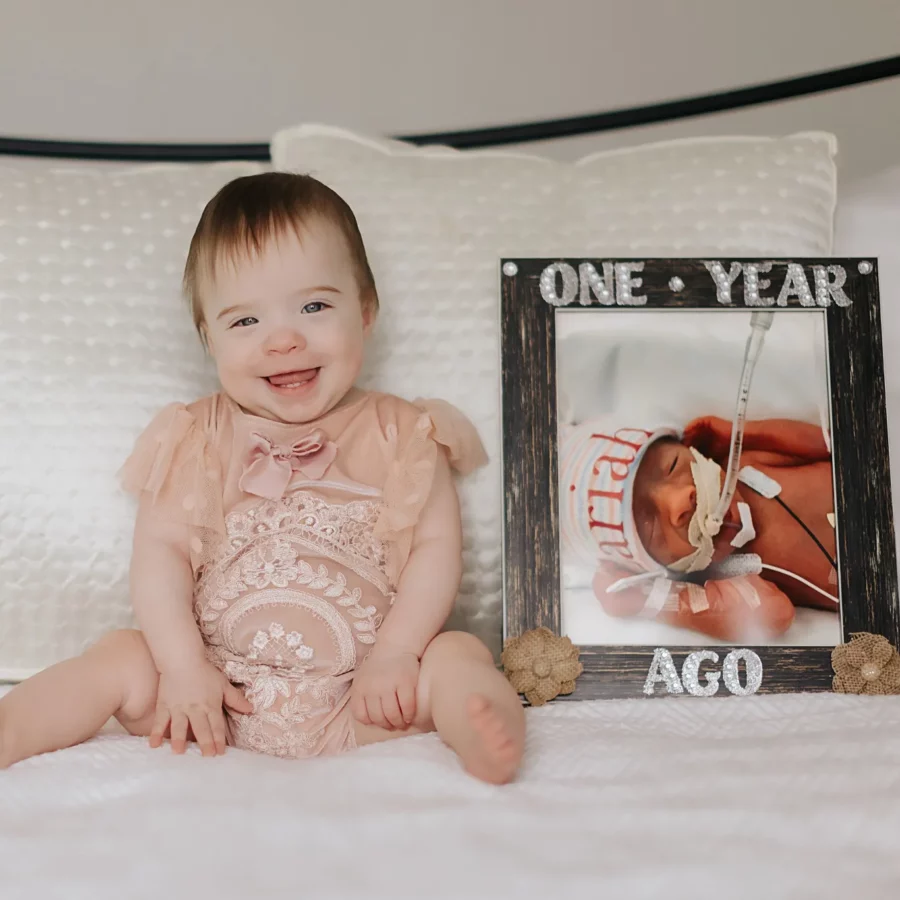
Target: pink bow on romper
269, 468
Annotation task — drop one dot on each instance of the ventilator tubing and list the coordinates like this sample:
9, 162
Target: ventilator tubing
760, 322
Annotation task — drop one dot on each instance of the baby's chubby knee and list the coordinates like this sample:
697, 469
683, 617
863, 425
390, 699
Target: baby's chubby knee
456, 644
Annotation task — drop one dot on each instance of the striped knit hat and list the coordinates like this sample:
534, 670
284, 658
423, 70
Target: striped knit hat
597, 472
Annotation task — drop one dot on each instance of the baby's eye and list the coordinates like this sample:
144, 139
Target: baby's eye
242, 322
314, 307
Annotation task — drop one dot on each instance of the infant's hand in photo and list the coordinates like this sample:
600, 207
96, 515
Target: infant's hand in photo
710, 435
384, 689
194, 695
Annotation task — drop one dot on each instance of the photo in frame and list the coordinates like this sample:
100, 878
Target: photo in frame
625, 527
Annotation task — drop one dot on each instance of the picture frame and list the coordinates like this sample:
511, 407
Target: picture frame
639, 303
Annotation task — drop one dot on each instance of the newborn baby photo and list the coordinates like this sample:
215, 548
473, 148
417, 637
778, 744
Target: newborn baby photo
677, 528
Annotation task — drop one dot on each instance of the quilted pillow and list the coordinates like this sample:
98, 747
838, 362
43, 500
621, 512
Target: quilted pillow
435, 222
94, 338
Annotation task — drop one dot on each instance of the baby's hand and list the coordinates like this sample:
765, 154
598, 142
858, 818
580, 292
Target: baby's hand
710, 435
384, 689
194, 695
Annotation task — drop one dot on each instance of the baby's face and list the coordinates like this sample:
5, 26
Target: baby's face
287, 328
665, 498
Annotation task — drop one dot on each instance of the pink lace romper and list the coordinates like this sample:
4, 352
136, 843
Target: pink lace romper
298, 535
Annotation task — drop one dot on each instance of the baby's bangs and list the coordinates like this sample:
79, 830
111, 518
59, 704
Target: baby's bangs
246, 237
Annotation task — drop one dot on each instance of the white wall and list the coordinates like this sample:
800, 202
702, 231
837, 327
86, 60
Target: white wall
225, 70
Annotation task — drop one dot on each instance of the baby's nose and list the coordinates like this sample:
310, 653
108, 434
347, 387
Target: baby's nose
284, 340
683, 504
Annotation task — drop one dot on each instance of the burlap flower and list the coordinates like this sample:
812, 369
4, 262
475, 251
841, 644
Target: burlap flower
866, 665
541, 665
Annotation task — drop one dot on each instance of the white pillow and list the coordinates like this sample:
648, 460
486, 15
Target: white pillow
436, 221
94, 338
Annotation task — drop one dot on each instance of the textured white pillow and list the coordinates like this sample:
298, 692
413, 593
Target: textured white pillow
436, 221
94, 338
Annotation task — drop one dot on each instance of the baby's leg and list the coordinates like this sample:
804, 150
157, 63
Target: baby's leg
472, 706
71, 701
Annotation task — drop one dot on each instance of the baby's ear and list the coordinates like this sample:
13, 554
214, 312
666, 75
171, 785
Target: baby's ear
369, 300
627, 602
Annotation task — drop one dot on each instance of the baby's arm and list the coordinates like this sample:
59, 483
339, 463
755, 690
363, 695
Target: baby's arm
191, 690
162, 586
788, 441
744, 609
384, 687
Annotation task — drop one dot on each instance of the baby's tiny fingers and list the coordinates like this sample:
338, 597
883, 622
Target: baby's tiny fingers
235, 699
160, 723
391, 707
406, 695
217, 720
376, 713
202, 732
179, 732
358, 709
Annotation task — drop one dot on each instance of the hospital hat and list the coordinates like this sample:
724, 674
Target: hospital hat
597, 471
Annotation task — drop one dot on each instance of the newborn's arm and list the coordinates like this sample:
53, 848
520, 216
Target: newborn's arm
162, 586
430, 579
740, 609
785, 441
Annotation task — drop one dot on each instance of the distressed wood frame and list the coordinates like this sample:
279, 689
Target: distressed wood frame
865, 533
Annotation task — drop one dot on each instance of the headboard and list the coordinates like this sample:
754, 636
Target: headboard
549, 129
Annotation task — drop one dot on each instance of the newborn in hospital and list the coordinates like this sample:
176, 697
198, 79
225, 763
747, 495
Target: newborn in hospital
297, 549
637, 504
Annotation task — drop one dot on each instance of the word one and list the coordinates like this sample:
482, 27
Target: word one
662, 669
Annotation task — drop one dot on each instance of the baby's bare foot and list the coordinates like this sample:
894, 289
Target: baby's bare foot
495, 749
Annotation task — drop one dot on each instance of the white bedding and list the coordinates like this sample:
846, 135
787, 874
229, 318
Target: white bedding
762, 797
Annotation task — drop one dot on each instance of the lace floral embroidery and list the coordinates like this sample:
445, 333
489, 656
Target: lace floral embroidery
283, 708
343, 531
283, 646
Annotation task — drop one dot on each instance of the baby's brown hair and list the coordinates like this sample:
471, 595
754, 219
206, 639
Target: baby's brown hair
250, 211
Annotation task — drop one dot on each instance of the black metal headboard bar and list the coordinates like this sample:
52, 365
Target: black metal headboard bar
789, 89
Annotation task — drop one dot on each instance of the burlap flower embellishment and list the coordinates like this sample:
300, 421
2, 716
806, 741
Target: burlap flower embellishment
541, 665
866, 665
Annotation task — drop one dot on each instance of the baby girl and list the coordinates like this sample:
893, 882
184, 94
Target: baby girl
297, 547
631, 503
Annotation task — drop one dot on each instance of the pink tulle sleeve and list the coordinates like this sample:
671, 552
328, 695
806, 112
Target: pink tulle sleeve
435, 423
175, 461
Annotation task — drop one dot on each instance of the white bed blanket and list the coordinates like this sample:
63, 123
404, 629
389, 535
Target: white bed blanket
766, 797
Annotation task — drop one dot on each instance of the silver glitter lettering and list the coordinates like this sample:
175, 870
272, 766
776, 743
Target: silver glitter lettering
731, 676
690, 674
828, 290
754, 285
593, 283
569, 280
625, 284
662, 669
724, 280
795, 283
